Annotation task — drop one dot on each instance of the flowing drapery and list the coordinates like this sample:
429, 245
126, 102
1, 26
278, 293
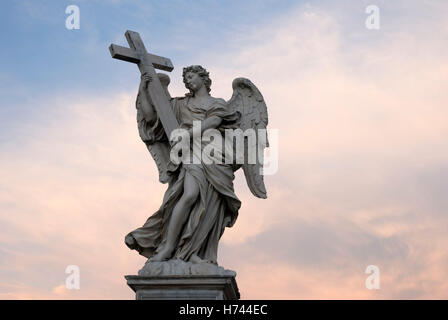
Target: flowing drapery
216, 206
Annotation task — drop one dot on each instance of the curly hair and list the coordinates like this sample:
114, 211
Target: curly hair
201, 72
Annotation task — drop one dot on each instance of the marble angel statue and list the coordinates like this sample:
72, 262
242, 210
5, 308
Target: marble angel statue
200, 201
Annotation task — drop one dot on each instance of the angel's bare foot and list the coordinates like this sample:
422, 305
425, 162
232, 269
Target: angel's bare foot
195, 259
162, 255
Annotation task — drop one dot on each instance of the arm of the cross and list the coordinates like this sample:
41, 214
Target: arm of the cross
146, 63
127, 54
135, 41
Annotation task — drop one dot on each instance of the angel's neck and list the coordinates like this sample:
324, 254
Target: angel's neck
202, 92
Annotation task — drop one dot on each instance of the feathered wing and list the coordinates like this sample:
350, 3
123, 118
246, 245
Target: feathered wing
159, 150
248, 100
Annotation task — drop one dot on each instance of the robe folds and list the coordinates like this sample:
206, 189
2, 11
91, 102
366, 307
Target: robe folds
216, 206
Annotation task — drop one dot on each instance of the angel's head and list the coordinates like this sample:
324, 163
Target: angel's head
195, 73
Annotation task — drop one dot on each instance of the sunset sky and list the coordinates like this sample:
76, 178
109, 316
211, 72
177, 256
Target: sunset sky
361, 115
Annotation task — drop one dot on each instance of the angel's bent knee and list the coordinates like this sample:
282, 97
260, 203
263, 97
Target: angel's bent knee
190, 197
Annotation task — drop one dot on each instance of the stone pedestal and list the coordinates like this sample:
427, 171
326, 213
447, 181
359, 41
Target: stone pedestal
177, 279
192, 287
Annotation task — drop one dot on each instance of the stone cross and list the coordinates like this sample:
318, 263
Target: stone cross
147, 63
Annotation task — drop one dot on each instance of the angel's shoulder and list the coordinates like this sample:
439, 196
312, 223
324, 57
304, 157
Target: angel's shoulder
179, 98
178, 101
218, 101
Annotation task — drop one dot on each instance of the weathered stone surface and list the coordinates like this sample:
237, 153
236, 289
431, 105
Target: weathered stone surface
192, 287
182, 268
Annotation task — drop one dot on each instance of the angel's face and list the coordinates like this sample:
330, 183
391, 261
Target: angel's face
193, 81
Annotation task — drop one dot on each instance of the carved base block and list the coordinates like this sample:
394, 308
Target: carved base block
191, 287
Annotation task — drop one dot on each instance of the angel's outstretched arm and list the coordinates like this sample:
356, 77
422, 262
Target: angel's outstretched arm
212, 122
208, 123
